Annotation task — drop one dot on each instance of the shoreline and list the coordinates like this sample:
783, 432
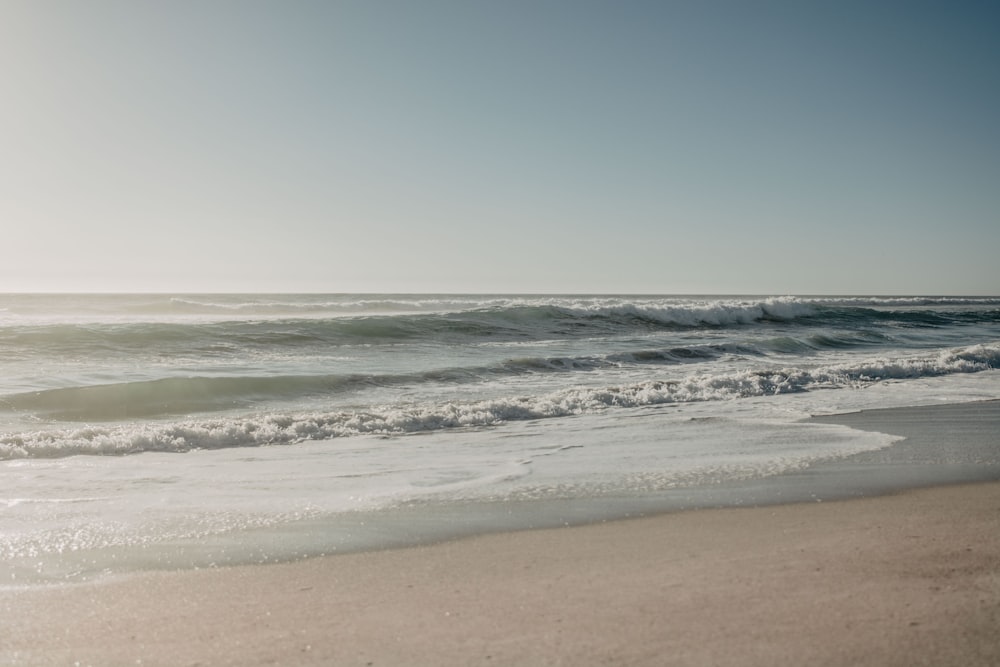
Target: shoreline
903, 577
914, 462
910, 463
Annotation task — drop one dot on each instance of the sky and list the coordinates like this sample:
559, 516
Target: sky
741, 147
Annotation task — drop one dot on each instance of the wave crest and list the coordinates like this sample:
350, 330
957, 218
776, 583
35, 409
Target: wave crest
273, 429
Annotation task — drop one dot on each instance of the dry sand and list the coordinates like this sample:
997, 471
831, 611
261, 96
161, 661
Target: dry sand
908, 579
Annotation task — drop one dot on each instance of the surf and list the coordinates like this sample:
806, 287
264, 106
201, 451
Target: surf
258, 429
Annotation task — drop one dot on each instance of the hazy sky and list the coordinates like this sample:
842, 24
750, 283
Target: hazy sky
525, 146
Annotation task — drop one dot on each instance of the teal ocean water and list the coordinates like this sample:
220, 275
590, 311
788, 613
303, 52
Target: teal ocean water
141, 428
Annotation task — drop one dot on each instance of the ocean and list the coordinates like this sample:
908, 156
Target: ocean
163, 431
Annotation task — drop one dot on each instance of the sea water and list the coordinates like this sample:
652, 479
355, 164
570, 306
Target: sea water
191, 430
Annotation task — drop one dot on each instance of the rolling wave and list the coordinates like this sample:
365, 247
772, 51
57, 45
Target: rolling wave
505, 320
273, 429
182, 395
192, 394
167, 396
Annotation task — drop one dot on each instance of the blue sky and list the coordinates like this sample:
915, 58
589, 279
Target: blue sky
656, 147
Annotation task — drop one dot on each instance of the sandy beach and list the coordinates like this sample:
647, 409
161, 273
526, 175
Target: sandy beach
906, 579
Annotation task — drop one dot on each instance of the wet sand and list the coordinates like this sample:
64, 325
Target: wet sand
906, 579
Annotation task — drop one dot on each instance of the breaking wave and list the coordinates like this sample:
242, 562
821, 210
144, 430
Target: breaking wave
183, 395
506, 319
276, 429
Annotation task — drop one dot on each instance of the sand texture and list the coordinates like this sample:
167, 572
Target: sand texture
908, 579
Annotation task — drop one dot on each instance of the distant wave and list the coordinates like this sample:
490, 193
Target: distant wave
273, 429
394, 303
510, 319
227, 307
298, 305
907, 301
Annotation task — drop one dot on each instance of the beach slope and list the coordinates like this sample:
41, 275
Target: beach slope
906, 579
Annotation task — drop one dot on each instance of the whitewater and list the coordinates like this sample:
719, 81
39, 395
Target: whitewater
142, 430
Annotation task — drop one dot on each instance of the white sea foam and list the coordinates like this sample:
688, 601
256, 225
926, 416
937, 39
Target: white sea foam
167, 511
270, 429
693, 313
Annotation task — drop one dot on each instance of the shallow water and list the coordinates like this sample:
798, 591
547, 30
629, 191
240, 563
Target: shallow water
151, 430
